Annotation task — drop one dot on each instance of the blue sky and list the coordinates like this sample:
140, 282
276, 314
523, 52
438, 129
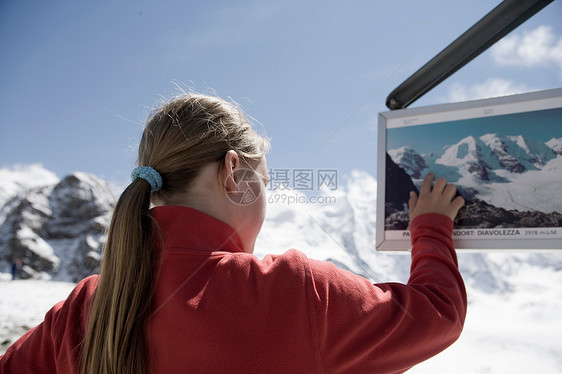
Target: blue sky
79, 78
541, 125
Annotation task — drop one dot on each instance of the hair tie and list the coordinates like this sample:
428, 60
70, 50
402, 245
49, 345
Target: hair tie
150, 175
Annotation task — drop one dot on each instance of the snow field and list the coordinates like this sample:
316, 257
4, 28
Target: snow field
23, 304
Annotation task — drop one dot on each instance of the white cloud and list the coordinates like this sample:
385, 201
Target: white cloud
492, 87
538, 47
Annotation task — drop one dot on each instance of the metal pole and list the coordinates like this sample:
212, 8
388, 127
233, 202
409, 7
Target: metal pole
492, 27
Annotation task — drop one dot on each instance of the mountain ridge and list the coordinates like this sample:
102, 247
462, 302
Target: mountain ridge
491, 165
342, 232
56, 230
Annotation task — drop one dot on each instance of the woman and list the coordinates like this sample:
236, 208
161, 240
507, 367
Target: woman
179, 290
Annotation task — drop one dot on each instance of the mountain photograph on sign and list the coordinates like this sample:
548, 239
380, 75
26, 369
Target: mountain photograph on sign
507, 167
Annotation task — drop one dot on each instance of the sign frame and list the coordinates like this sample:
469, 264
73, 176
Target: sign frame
456, 114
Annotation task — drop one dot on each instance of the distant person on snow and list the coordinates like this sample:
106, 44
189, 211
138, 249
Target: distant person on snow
179, 290
16, 265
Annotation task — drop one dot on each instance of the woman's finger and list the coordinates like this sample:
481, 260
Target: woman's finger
439, 185
412, 203
457, 203
450, 191
426, 184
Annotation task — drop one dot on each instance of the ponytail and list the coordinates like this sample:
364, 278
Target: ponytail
115, 337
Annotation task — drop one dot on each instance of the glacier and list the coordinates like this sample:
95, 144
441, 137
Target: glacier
508, 172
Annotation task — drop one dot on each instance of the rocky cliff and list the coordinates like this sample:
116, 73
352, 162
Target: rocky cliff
56, 231
397, 193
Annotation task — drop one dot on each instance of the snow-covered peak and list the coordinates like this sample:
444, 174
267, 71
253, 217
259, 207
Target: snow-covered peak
492, 140
535, 152
55, 227
335, 225
408, 159
398, 154
518, 154
521, 142
462, 152
556, 145
18, 178
83, 188
506, 150
29, 176
469, 150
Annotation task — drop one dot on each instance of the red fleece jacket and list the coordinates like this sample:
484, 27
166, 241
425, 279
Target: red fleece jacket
219, 310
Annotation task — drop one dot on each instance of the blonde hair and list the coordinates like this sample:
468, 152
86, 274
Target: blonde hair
179, 138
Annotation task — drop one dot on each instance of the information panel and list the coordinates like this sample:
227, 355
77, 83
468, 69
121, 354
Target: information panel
504, 155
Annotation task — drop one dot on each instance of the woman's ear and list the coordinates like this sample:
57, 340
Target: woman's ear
230, 166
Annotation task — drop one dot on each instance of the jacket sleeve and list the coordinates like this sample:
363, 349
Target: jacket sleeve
389, 327
33, 350
51, 346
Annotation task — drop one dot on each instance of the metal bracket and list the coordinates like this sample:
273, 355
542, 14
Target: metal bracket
492, 27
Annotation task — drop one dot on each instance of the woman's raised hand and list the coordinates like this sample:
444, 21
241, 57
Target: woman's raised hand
439, 199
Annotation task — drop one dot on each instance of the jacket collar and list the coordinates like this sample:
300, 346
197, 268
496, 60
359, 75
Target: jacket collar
188, 228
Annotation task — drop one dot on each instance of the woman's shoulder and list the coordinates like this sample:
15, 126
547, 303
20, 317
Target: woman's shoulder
86, 287
77, 301
291, 262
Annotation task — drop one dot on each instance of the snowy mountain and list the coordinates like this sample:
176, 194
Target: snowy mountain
19, 178
556, 145
518, 154
342, 231
470, 152
513, 322
56, 230
482, 156
409, 160
509, 172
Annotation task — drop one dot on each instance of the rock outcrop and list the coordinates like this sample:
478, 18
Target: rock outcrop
397, 193
57, 231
